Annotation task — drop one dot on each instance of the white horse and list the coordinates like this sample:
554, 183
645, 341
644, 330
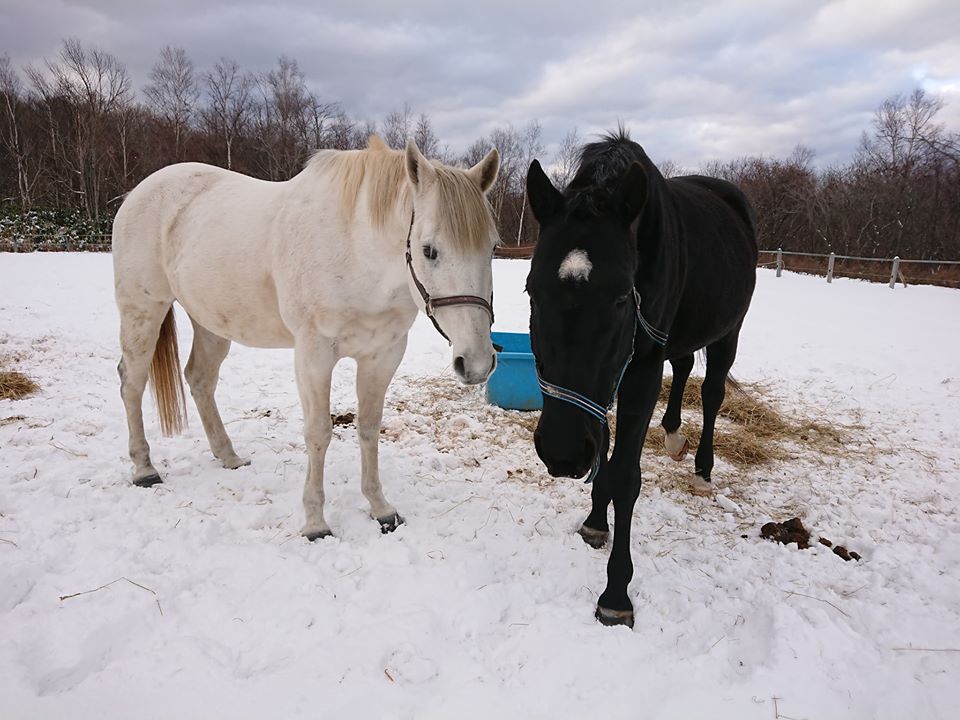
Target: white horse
316, 263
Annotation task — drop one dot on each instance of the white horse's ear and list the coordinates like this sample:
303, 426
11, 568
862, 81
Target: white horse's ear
420, 171
484, 173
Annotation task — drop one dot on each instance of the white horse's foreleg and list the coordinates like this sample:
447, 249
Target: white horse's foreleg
202, 373
139, 330
314, 359
374, 374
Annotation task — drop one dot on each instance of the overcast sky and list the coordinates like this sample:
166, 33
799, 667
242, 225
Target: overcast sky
693, 81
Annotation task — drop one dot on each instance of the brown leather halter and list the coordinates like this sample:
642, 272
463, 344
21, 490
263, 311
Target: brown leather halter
431, 303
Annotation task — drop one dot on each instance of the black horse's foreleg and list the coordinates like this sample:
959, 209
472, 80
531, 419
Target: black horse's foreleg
720, 357
638, 399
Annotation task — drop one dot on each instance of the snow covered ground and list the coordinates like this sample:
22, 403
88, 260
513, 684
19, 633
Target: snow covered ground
482, 604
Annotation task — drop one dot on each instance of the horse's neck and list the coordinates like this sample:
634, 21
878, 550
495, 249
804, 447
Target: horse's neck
659, 255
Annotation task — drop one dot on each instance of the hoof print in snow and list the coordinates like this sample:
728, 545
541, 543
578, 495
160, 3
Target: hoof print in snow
793, 531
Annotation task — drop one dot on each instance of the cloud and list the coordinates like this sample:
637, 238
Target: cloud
695, 81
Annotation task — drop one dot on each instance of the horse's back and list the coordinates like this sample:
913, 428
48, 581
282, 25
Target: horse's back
717, 225
202, 234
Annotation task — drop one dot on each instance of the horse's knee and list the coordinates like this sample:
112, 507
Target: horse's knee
318, 437
368, 433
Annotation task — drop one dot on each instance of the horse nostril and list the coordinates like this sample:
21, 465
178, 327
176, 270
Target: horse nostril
459, 367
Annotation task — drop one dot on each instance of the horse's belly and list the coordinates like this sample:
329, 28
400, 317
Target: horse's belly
244, 312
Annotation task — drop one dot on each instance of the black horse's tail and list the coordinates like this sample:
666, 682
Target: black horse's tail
731, 381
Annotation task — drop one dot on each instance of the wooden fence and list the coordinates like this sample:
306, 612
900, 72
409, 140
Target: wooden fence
923, 272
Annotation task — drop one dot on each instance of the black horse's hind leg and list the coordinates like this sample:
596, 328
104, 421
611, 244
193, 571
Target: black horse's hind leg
720, 357
676, 445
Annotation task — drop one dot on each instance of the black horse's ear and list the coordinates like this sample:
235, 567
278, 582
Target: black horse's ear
545, 200
631, 193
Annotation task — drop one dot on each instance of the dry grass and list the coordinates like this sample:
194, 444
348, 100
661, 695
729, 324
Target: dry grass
15, 385
751, 431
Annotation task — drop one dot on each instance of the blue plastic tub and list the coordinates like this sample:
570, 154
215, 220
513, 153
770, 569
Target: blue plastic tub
513, 385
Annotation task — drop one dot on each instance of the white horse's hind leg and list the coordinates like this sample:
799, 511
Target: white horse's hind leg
139, 330
314, 358
202, 372
373, 376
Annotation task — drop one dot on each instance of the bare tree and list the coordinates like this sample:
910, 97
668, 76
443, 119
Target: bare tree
398, 127
11, 93
173, 92
95, 86
531, 145
507, 142
282, 119
321, 115
229, 93
670, 168
426, 138
566, 159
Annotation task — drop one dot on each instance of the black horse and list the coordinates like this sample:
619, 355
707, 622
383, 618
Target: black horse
631, 269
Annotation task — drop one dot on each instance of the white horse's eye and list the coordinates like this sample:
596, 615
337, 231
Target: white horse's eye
429, 252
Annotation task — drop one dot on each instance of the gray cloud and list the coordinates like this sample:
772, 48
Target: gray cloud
693, 80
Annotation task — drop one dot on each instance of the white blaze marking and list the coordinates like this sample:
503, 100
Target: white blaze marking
576, 266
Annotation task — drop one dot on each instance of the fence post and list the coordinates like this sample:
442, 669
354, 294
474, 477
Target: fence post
896, 271
779, 261
830, 268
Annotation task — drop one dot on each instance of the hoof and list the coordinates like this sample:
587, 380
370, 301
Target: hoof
701, 486
318, 535
682, 452
594, 538
390, 523
148, 481
236, 462
612, 618
676, 446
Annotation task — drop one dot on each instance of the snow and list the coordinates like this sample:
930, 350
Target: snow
482, 604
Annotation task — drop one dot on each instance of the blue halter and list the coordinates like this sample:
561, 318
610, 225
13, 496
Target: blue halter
599, 412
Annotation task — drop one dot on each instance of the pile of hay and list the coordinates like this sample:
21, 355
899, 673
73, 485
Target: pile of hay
750, 431
15, 385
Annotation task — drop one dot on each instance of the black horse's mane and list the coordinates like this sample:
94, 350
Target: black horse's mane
601, 166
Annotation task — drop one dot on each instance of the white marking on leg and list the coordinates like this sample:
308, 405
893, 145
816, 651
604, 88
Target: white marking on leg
576, 266
676, 445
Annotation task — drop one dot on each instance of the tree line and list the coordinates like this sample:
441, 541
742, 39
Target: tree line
75, 136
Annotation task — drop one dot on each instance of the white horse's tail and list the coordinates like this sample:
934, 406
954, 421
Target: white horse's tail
167, 380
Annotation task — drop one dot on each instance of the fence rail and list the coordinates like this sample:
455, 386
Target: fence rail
101, 243
896, 272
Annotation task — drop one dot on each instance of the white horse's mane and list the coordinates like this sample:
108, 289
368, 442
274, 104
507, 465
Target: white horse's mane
464, 209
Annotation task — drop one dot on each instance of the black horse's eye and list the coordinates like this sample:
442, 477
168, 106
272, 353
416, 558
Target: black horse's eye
622, 300
429, 252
